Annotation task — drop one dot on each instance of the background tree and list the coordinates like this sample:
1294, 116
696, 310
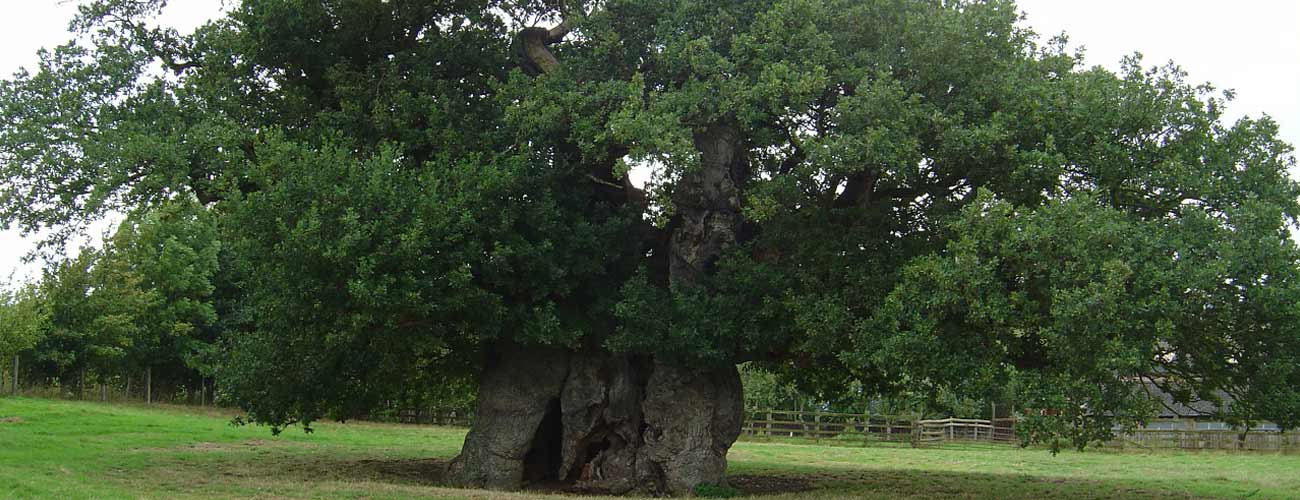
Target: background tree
916, 196
173, 249
23, 321
142, 302
93, 305
23, 318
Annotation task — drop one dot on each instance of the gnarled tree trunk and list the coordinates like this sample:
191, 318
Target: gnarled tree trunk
620, 423
606, 422
600, 422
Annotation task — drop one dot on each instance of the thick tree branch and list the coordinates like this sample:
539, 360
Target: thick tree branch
797, 154
603, 182
536, 56
567, 25
708, 205
857, 192
534, 42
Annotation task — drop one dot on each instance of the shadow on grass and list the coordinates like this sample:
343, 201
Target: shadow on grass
258, 462
432, 472
305, 468
302, 471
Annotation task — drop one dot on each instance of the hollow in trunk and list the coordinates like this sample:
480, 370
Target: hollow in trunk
600, 422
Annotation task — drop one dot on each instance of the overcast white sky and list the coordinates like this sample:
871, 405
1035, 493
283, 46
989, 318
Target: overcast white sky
1251, 46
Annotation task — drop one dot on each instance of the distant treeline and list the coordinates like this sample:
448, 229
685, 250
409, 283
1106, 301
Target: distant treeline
140, 313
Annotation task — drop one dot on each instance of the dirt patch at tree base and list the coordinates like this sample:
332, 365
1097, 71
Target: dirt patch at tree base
287, 463
749, 484
746, 484
427, 472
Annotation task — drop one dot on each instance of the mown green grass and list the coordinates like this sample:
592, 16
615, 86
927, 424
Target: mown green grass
61, 449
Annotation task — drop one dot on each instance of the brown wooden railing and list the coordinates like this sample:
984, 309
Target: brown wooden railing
848, 428
818, 426
965, 429
433, 416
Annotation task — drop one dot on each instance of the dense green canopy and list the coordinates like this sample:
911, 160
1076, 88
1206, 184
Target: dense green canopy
933, 197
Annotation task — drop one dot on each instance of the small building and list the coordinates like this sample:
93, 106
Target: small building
1196, 415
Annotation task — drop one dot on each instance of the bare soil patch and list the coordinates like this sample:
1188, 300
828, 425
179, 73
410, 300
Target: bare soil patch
751, 484
747, 484
407, 471
426, 471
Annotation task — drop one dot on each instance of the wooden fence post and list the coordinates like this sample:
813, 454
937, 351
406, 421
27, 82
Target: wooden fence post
817, 427
13, 378
769, 425
148, 385
866, 427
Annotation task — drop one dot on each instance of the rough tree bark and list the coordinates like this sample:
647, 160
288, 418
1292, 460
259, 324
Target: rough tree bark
619, 423
600, 422
707, 200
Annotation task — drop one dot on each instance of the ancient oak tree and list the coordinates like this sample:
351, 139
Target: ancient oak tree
914, 195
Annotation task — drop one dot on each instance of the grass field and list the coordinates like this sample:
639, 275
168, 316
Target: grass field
61, 449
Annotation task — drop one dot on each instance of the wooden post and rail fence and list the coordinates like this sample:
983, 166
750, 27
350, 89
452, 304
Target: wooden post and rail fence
118, 388
862, 428
847, 428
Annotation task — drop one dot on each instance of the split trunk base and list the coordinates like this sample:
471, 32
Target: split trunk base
607, 423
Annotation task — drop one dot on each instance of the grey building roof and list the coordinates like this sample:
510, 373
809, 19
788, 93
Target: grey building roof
1169, 408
